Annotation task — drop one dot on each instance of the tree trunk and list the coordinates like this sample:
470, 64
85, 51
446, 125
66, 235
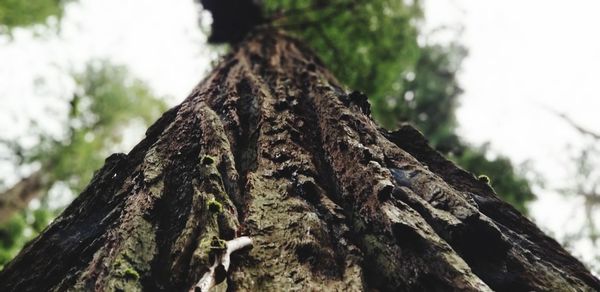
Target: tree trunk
20, 194
271, 147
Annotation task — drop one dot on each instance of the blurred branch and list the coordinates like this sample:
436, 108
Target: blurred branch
576, 126
18, 197
15, 150
591, 198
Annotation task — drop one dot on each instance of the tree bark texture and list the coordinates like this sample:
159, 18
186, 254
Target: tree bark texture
270, 146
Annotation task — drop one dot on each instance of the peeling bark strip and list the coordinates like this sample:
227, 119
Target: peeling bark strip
271, 147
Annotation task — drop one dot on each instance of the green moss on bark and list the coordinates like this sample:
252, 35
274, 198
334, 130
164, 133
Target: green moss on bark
214, 206
134, 259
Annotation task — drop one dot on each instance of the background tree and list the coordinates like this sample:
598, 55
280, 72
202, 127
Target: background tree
584, 184
107, 103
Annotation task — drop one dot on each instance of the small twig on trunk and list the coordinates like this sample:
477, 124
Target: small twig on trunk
221, 264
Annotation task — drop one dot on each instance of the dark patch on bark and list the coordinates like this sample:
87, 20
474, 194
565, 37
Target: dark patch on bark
408, 238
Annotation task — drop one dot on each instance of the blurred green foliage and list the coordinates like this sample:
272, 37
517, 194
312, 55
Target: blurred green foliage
428, 95
22, 13
504, 177
21, 228
376, 47
107, 100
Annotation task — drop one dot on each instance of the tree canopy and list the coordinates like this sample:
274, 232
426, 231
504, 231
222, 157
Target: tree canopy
19, 13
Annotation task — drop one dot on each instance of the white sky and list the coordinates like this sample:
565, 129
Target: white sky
158, 40
524, 55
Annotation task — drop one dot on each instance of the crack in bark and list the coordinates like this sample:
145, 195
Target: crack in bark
248, 108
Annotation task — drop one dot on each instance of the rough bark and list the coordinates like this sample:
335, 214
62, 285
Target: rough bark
270, 146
